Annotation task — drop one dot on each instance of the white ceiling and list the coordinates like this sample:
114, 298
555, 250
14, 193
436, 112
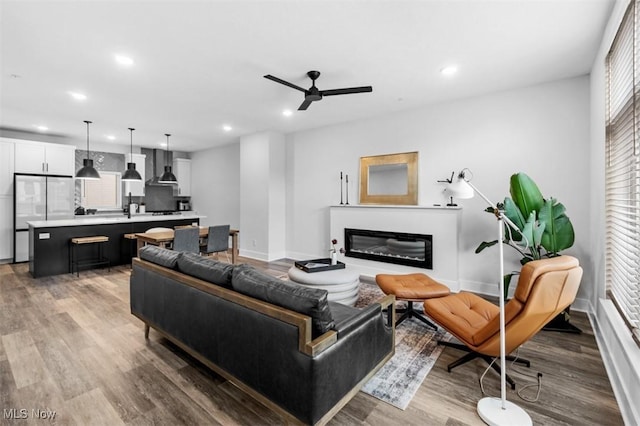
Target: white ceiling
199, 64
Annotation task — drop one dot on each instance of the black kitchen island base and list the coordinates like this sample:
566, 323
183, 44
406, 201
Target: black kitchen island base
49, 244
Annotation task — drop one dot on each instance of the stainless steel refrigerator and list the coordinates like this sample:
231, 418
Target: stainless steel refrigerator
38, 197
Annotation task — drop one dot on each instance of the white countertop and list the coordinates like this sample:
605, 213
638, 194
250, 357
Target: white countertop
90, 220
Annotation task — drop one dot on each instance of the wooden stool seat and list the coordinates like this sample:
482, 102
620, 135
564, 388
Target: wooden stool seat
90, 240
73, 255
412, 288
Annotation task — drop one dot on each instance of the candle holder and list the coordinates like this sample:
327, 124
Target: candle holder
347, 188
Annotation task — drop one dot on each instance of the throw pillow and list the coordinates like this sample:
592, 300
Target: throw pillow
160, 256
206, 269
305, 300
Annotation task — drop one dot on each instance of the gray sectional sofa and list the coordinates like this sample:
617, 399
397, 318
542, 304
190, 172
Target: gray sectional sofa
282, 343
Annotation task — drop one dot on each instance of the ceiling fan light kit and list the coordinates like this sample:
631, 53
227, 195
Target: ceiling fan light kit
313, 93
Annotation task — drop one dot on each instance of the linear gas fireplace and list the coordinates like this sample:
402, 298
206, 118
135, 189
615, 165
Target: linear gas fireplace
390, 247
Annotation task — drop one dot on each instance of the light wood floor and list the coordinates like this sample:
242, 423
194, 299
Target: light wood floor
70, 345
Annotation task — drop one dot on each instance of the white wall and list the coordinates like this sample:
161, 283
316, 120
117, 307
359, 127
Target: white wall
262, 196
215, 185
277, 197
619, 351
541, 130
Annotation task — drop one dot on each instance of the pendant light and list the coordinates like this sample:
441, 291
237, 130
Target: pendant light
131, 174
167, 176
87, 171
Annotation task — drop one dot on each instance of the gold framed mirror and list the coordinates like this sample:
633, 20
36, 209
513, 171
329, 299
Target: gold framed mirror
389, 179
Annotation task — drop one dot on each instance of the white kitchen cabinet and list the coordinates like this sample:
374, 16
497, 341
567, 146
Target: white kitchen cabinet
6, 198
182, 170
44, 158
6, 227
136, 188
6, 166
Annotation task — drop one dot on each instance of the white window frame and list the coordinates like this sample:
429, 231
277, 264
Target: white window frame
622, 170
90, 188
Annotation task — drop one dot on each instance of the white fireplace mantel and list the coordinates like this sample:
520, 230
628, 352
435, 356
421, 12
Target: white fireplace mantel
443, 223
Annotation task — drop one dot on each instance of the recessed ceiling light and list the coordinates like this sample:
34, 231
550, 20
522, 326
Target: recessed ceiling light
449, 70
287, 113
123, 60
227, 128
110, 137
78, 96
41, 128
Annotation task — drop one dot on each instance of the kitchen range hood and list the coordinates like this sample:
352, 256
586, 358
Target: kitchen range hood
159, 158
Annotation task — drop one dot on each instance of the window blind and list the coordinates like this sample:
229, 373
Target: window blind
622, 170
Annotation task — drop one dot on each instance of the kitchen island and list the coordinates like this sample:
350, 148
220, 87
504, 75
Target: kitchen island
49, 239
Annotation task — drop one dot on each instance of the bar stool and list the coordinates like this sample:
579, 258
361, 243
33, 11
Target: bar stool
132, 242
73, 255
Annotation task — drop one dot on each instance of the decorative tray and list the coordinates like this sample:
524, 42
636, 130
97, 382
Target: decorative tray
318, 265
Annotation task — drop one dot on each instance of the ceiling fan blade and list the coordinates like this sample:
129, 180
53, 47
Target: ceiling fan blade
286, 83
346, 91
305, 105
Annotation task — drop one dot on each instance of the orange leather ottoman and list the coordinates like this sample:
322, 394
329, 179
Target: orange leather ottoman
412, 288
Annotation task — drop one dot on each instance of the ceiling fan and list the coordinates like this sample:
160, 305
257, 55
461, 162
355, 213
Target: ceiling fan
313, 94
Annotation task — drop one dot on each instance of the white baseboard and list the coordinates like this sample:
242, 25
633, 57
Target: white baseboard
621, 357
258, 255
295, 255
276, 256
479, 287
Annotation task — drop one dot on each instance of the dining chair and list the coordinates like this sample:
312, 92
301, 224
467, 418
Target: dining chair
218, 240
187, 239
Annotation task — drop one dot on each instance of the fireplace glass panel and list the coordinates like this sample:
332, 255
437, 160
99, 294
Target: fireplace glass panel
390, 247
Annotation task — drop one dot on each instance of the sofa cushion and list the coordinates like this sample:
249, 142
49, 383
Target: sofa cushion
206, 269
305, 300
160, 256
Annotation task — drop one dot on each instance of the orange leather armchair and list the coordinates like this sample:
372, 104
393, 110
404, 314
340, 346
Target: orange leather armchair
545, 288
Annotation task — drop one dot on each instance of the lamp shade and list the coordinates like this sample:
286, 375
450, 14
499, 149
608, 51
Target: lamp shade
131, 174
88, 171
167, 176
460, 188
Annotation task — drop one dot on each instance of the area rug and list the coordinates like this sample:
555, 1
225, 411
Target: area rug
416, 352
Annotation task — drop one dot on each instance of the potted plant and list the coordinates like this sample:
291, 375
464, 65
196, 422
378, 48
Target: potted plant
546, 228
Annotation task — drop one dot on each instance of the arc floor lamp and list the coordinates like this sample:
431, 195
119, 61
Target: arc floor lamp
494, 411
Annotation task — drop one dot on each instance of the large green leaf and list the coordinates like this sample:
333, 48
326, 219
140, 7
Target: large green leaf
525, 194
558, 232
514, 214
532, 231
483, 245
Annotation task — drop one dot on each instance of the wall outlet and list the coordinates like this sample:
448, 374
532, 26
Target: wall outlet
253, 242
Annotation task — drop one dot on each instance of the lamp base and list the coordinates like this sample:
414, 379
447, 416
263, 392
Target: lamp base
491, 412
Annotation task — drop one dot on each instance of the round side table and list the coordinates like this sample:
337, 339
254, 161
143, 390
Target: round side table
341, 284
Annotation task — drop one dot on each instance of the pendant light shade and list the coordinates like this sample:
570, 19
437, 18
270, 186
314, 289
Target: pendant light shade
131, 174
87, 171
167, 176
